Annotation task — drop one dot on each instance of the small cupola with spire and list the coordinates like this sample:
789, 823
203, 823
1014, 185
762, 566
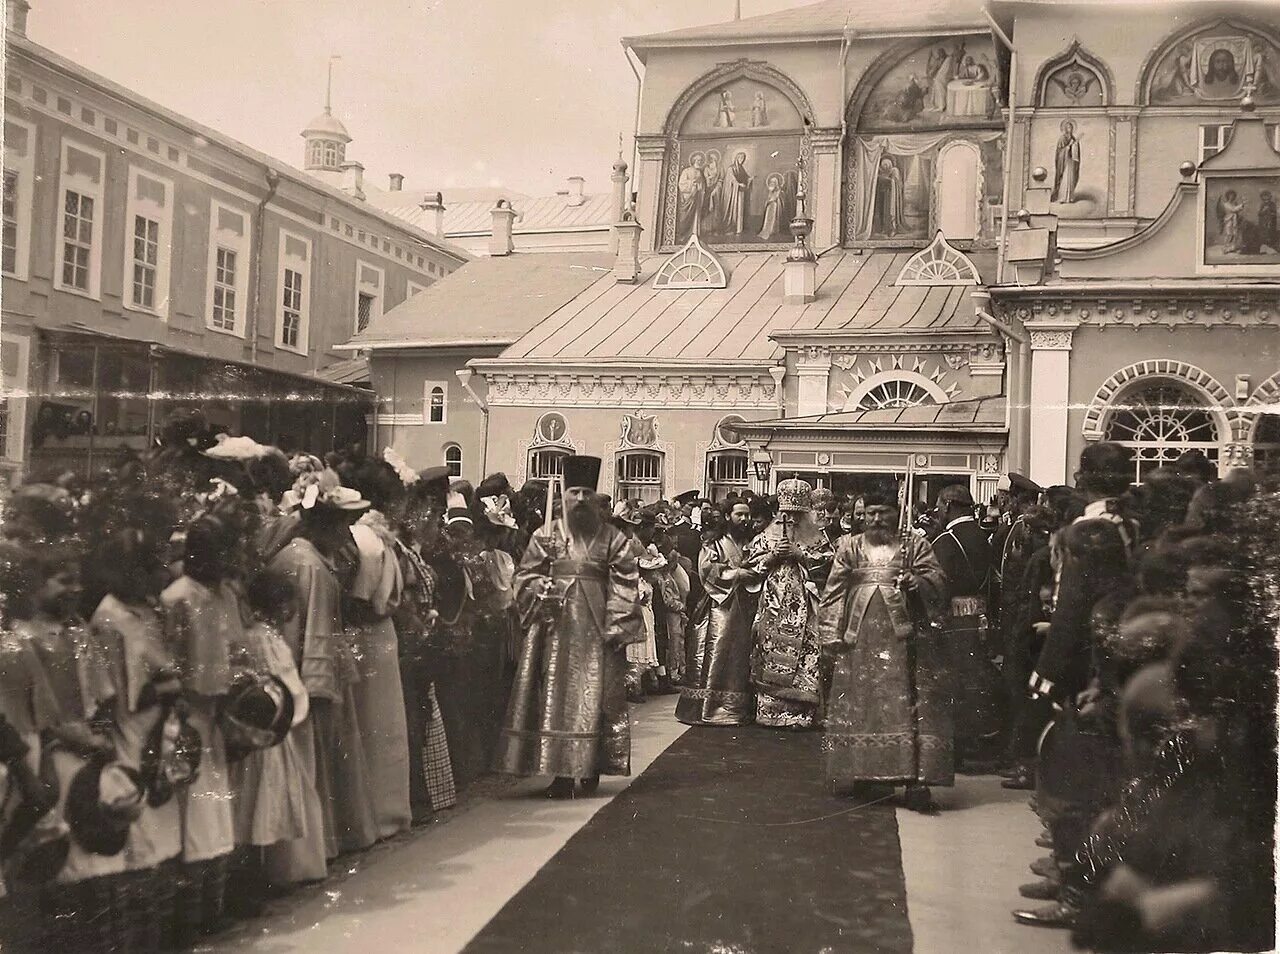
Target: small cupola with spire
325, 137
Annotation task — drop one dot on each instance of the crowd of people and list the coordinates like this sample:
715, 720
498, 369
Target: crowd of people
221, 668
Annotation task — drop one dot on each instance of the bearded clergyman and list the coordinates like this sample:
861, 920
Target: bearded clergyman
577, 592
888, 716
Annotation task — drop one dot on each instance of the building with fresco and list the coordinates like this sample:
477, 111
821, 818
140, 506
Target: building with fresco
818, 275
150, 261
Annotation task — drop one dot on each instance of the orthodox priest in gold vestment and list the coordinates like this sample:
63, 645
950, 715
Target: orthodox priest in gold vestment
888, 716
577, 592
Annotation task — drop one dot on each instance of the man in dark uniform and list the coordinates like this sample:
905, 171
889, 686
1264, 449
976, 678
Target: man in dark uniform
1011, 548
965, 554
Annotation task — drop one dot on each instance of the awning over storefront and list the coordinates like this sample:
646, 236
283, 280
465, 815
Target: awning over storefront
99, 395
978, 416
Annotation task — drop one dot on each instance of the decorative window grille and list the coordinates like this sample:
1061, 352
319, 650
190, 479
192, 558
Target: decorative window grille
639, 476
727, 472
692, 266
1161, 422
939, 264
546, 462
895, 394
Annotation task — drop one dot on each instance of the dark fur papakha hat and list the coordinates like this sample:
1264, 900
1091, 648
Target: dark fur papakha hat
582, 471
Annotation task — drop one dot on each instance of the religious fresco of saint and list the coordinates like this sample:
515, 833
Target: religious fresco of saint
1240, 223
737, 159
899, 196
1076, 152
946, 83
1215, 65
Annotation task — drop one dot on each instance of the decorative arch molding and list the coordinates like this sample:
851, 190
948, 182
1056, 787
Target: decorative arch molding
725, 72
1142, 95
1264, 401
693, 265
1076, 55
938, 395
1218, 399
939, 264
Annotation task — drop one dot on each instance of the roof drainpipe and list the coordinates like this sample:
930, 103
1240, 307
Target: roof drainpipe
259, 229
464, 378
1008, 141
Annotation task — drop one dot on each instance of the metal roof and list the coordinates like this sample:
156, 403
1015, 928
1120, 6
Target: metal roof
977, 414
826, 20
487, 302
551, 213
607, 320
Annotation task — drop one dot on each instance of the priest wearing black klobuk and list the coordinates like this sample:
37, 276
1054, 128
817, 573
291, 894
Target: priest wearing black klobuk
577, 594
888, 716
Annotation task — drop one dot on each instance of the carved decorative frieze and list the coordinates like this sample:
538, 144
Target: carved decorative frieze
753, 389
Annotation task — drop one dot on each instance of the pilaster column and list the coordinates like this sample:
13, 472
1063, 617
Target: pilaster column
1049, 399
651, 151
813, 370
824, 186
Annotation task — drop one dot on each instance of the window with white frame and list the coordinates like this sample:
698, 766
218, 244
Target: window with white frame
435, 395
19, 179
228, 269
149, 241
727, 472
80, 239
1215, 136
414, 288
453, 459
293, 322
13, 383
369, 279
639, 476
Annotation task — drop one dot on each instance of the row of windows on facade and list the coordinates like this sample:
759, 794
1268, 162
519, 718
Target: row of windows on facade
149, 240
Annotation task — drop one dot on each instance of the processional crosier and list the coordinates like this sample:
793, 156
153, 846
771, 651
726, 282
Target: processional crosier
550, 596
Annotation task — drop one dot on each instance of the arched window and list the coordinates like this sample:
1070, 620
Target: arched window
435, 413
546, 462
1161, 421
639, 476
896, 393
727, 472
959, 184
330, 154
453, 459
1266, 444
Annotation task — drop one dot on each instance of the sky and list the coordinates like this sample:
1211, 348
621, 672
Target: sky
517, 94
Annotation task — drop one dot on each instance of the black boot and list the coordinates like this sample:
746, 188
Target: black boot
561, 788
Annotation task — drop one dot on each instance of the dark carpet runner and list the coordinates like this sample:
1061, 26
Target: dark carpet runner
727, 844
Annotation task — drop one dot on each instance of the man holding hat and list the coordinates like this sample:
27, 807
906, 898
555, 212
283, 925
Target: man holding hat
577, 593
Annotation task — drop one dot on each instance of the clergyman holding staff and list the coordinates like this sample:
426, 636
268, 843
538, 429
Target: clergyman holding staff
577, 593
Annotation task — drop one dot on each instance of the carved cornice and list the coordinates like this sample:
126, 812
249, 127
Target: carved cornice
694, 389
1219, 307
825, 138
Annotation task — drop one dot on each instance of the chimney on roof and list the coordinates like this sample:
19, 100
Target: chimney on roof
433, 206
620, 204
397, 182
576, 196
626, 261
504, 217
15, 16
353, 179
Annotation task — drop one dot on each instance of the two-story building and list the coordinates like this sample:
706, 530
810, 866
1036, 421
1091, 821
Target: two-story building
149, 261
818, 276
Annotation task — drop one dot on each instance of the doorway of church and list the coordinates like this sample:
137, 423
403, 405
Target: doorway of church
843, 484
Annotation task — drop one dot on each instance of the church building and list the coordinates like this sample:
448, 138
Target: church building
966, 237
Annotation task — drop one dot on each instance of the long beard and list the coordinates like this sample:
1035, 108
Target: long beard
584, 519
878, 536
741, 532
